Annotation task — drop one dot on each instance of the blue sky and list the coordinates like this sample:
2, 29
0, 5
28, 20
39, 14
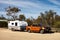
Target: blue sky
30, 7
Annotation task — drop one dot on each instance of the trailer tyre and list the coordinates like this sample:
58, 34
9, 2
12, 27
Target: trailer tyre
12, 29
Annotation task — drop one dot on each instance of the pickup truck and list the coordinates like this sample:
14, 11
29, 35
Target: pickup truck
37, 28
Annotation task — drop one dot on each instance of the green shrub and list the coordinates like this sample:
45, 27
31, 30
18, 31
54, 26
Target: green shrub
57, 24
3, 24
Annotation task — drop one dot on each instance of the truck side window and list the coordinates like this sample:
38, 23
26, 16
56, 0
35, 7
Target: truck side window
12, 23
16, 24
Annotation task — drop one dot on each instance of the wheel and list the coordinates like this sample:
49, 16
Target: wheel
42, 31
29, 31
12, 29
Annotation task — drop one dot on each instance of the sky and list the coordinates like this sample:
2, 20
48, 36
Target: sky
30, 7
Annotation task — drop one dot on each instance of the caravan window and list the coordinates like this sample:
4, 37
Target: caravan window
16, 24
12, 23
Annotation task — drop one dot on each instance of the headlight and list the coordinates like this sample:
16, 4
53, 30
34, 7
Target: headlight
43, 28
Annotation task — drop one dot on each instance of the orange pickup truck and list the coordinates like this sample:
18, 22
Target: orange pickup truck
37, 28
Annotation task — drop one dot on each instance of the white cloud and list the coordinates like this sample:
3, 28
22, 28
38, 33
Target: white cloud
55, 2
31, 7
27, 4
24, 4
3, 13
27, 15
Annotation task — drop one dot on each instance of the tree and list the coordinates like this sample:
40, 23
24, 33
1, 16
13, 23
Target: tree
57, 24
57, 18
38, 20
2, 17
50, 17
29, 21
22, 17
42, 18
11, 11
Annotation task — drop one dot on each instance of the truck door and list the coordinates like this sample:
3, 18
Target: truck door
35, 28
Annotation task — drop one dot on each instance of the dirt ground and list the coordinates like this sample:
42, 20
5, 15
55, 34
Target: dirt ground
6, 34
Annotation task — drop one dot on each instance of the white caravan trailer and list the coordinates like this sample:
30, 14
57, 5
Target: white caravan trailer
17, 25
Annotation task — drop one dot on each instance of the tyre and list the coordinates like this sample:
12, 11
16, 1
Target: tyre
29, 31
12, 29
42, 31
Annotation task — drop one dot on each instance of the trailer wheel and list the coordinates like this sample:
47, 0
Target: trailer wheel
12, 29
42, 31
